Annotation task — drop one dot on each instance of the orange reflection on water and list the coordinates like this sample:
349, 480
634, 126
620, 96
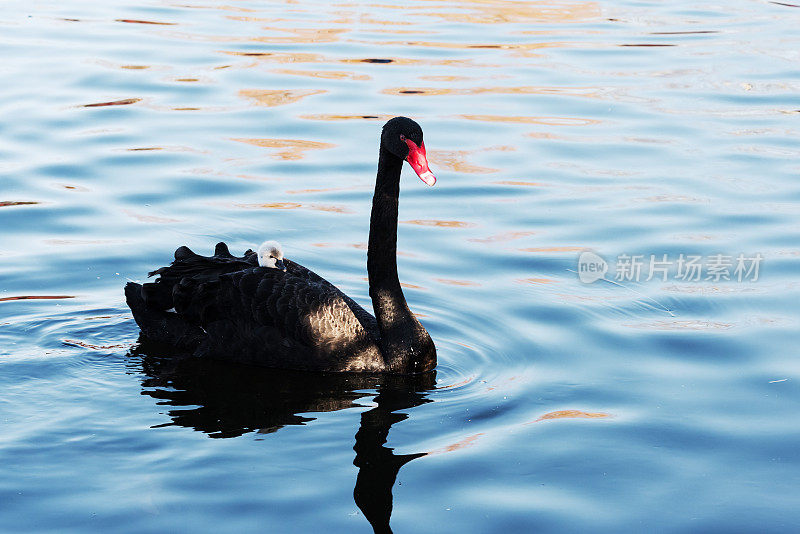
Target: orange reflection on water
515, 182
441, 224
36, 297
135, 21
330, 208
335, 117
505, 236
281, 57
571, 414
425, 62
540, 281
301, 35
321, 190
462, 444
548, 121
324, 74
586, 92
123, 102
287, 149
463, 283
7, 203
517, 11
457, 159
150, 218
520, 49
278, 97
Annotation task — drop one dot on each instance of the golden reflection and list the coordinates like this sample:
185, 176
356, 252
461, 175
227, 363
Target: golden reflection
586, 92
330, 208
422, 62
441, 224
271, 206
334, 117
69, 187
438, 78
519, 49
150, 218
301, 35
287, 149
281, 57
324, 74
6, 203
572, 414
216, 7
517, 11
134, 67
321, 190
278, 97
123, 102
505, 236
456, 159
463, 283
463, 382
135, 21
462, 444
36, 297
538, 281
548, 121
524, 184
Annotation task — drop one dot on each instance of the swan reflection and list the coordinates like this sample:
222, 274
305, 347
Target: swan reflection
226, 400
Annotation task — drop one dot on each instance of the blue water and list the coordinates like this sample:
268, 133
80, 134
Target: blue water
623, 128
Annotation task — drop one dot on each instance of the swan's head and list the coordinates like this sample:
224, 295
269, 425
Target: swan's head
270, 255
403, 137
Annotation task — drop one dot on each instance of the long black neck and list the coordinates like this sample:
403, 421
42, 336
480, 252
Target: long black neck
403, 339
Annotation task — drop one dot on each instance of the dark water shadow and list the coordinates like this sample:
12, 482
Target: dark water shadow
226, 400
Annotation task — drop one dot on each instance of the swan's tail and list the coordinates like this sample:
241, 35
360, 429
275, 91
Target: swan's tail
162, 326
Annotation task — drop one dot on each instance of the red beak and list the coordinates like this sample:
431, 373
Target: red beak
419, 162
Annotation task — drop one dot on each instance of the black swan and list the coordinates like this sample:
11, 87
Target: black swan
233, 308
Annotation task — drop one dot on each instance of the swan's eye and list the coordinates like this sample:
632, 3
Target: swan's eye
402, 137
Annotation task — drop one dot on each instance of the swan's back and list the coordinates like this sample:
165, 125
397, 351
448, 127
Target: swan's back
226, 307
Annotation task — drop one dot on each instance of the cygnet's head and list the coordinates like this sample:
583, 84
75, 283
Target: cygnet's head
270, 255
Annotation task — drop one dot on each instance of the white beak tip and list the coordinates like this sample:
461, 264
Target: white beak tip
428, 178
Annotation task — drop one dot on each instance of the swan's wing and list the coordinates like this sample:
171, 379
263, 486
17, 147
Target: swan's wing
275, 318
366, 319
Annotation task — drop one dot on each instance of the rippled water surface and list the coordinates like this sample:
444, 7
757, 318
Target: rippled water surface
623, 128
